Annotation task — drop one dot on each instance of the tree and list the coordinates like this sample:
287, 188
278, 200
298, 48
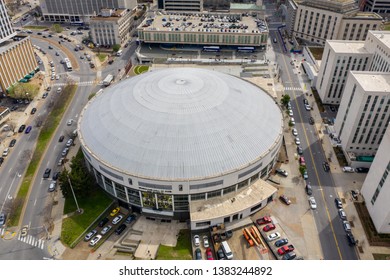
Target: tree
20, 90
285, 99
57, 28
290, 124
302, 169
116, 47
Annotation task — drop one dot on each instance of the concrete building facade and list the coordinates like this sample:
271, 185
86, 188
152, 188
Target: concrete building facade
363, 114
112, 26
318, 21
17, 59
6, 30
376, 187
181, 5
79, 11
381, 7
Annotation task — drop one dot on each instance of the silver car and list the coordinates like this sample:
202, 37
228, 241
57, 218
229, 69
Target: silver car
117, 219
106, 229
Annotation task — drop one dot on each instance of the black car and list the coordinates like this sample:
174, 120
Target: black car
1, 160
61, 138
120, 229
311, 120
21, 128
289, 256
362, 169
48, 89
198, 254
33, 110
333, 108
47, 173
351, 239
309, 189
56, 175
281, 242
354, 194
45, 95
14, 108
12, 143
326, 167
299, 150
338, 203
220, 254
305, 101
103, 222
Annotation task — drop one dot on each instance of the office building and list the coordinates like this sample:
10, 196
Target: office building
376, 187
112, 26
321, 20
77, 11
341, 56
381, 7
363, 114
184, 143
181, 5
291, 7
6, 30
216, 29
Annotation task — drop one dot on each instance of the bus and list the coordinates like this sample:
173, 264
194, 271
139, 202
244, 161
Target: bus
108, 80
211, 49
77, 23
246, 49
68, 65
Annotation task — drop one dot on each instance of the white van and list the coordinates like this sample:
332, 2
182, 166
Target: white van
226, 249
119, 53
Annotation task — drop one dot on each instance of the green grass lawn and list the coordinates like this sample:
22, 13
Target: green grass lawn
35, 27
141, 69
102, 57
387, 27
92, 205
182, 251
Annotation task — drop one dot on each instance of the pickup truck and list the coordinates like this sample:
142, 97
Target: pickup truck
264, 220
285, 249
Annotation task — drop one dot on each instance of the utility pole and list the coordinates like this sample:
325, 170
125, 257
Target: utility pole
74, 196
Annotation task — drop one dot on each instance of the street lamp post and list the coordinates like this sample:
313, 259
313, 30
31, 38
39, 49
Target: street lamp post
74, 196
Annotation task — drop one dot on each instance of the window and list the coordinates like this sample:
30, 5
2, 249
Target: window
254, 208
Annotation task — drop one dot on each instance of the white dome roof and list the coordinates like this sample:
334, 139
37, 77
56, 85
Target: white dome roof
180, 124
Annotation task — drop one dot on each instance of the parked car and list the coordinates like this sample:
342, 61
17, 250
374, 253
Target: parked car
269, 227
307, 107
196, 240
46, 174
347, 226
273, 236
326, 167
305, 175
209, 254
355, 194
106, 229
21, 128
1, 160
69, 142
52, 186
285, 249
285, 199
289, 256
60, 162
299, 150
342, 214
115, 211
65, 152
338, 203
294, 132
90, 235
282, 172
311, 120
56, 175
281, 242
103, 222
117, 219
305, 101
198, 254
5, 152
2, 219
130, 218
290, 113
309, 189
264, 220
362, 169
302, 161
33, 111
220, 254
70, 122
95, 240
206, 241
351, 239
292, 121
45, 95
297, 141
12, 143
348, 169
61, 138
120, 229
312, 203
28, 129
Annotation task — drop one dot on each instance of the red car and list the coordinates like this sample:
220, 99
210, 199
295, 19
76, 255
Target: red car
285, 249
209, 254
302, 161
269, 227
264, 220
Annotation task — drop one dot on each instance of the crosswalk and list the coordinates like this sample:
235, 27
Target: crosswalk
33, 241
292, 88
87, 83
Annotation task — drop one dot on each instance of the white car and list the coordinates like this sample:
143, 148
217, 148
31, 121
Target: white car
206, 241
196, 240
294, 132
297, 141
106, 229
312, 202
290, 113
69, 142
70, 122
95, 240
307, 107
59, 90
57, 77
117, 219
342, 214
347, 226
273, 236
348, 169
292, 121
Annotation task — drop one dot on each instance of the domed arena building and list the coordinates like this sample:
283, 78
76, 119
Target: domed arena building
185, 144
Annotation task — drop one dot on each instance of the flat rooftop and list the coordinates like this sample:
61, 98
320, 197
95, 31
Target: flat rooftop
347, 46
9, 43
382, 36
373, 81
366, 15
204, 22
115, 16
230, 204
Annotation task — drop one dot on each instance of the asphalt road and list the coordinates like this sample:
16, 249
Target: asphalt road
37, 214
331, 232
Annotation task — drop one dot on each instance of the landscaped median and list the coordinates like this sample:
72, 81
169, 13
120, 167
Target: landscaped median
45, 135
